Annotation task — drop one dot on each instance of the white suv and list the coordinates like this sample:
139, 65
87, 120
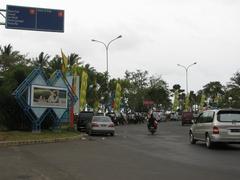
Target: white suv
212, 126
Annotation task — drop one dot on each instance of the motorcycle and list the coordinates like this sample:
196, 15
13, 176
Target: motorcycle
153, 127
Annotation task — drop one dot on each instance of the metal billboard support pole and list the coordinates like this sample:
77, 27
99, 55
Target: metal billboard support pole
3, 10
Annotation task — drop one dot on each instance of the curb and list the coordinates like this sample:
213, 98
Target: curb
41, 141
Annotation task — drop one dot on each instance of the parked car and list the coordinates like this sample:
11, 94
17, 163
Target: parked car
100, 125
216, 126
83, 118
187, 118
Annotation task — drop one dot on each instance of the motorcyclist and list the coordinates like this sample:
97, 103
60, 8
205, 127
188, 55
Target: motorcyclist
152, 121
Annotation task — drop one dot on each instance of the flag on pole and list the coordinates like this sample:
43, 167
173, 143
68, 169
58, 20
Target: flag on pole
75, 88
117, 99
74, 82
176, 101
83, 90
64, 63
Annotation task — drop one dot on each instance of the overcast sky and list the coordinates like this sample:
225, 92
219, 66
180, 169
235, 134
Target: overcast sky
157, 35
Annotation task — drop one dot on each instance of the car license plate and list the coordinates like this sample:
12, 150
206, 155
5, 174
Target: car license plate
103, 125
235, 130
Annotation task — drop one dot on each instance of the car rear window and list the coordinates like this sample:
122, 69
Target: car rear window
101, 119
85, 116
228, 116
187, 114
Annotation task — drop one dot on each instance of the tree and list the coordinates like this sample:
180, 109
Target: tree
55, 64
141, 87
158, 92
101, 82
137, 90
235, 81
212, 91
192, 98
11, 116
9, 58
74, 61
92, 82
177, 87
139, 79
181, 95
41, 61
233, 92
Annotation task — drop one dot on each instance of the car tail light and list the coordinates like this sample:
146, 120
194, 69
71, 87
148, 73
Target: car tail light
95, 125
215, 130
111, 125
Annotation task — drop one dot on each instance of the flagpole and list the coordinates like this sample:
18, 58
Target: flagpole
64, 70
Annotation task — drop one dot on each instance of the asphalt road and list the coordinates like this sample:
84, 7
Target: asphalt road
133, 154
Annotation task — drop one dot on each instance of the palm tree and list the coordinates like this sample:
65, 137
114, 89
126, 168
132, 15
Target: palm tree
8, 50
89, 68
55, 64
41, 60
8, 57
73, 60
212, 89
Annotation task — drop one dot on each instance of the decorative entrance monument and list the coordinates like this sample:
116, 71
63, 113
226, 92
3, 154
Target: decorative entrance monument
39, 97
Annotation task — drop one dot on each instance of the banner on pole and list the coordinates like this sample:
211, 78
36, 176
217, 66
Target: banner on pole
83, 90
117, 99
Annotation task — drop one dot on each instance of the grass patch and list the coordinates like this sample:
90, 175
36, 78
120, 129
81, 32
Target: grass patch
44, 134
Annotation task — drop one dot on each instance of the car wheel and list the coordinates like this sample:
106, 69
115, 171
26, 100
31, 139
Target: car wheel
191, 138
208, 142
112, 134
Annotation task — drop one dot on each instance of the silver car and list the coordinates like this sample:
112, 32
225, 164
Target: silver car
100, 125
213, 126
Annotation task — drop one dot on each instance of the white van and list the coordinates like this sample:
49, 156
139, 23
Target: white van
216, 126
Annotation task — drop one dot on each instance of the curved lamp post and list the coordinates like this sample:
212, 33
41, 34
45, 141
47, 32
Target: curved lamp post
186, 69
107, 47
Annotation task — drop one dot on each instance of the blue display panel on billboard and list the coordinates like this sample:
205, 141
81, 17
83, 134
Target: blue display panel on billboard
31, 18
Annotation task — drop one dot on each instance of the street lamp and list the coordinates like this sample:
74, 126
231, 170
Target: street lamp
186, 69
107, 47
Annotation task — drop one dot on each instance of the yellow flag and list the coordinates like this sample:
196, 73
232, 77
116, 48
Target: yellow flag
74, 82
117, 99
83, 90
64, 62
176, 101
